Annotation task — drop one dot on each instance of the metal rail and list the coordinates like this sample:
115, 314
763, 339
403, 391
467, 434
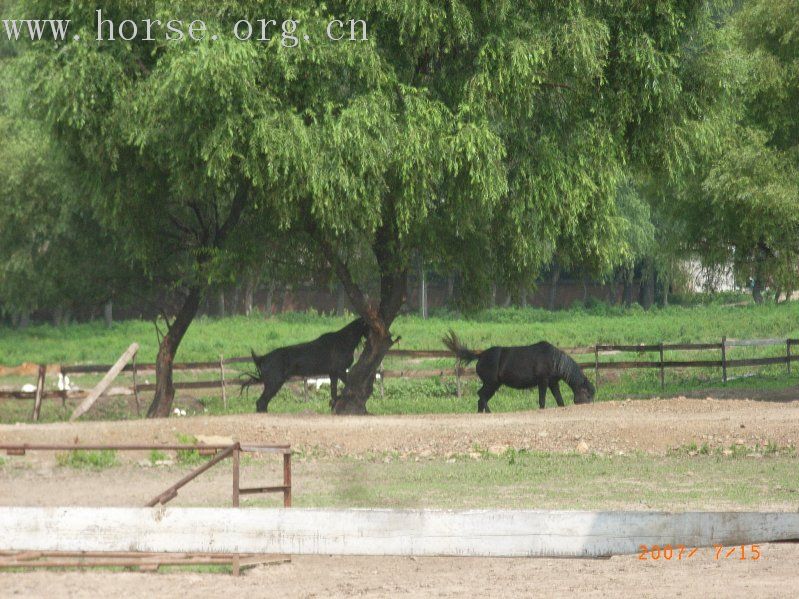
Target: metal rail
153, 561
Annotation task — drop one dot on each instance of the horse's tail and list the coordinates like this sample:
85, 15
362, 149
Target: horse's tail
251, 379
463, 353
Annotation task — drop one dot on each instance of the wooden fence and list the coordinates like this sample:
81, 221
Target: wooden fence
659, 362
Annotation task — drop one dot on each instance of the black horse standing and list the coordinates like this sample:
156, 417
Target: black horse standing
330, 354
542, 365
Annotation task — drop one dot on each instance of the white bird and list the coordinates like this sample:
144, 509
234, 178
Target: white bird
63, 383
325, 381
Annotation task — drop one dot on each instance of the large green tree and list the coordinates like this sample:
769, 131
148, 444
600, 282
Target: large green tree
54, 257
169, 137
479, 135
486, 136
741, 206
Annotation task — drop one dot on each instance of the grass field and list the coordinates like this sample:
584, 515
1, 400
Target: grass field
208, 338
537, 480
516, 479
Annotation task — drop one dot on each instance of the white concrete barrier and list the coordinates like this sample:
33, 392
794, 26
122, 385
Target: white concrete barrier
489, 533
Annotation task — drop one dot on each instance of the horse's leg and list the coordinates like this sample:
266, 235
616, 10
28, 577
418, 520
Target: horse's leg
554, 386
333, 390
263, 402
485, 393
270, 390
542, 394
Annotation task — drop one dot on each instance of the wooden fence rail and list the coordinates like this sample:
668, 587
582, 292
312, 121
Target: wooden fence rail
660, 363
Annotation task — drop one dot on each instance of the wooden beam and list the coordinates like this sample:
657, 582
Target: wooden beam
87, 403
37, 404
486, 533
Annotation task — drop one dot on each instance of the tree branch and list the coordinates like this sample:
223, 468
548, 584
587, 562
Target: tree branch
233, 217
354, 292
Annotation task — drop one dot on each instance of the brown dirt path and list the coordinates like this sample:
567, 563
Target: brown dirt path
774, 575
652, 426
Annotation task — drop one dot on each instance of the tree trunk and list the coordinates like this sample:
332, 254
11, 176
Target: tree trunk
612, 289
285, 300
553, 289
628, 287
361, 378
648, 290
757, 290
341, 301
422, 291
220, 303
108, 313
450, 289
249, 294
585, 289
270, 296
164, 388
523, 296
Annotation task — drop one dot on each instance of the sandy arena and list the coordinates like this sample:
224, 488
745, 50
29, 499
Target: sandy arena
653, 427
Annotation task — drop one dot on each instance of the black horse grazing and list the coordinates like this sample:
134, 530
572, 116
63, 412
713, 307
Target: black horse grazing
542, 365
331, 354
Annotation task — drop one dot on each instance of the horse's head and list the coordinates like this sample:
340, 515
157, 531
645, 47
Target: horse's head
361, 326
584, 393
357, 329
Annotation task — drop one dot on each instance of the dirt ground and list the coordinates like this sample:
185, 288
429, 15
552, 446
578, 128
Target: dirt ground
774, 575
653, 426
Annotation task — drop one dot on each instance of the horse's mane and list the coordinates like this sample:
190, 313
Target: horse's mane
569, 370
354, 332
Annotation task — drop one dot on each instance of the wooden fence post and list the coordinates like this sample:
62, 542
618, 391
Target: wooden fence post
37, 404
64, 392
788, 355
596, 365
662, 369
724, 359
458, 392
287, 479
136, 385
235, 562
222, 374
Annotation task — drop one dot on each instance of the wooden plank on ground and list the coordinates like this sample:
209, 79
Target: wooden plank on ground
487, 533
87, 403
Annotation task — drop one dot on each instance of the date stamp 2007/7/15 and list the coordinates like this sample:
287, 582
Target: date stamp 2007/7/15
669, 553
